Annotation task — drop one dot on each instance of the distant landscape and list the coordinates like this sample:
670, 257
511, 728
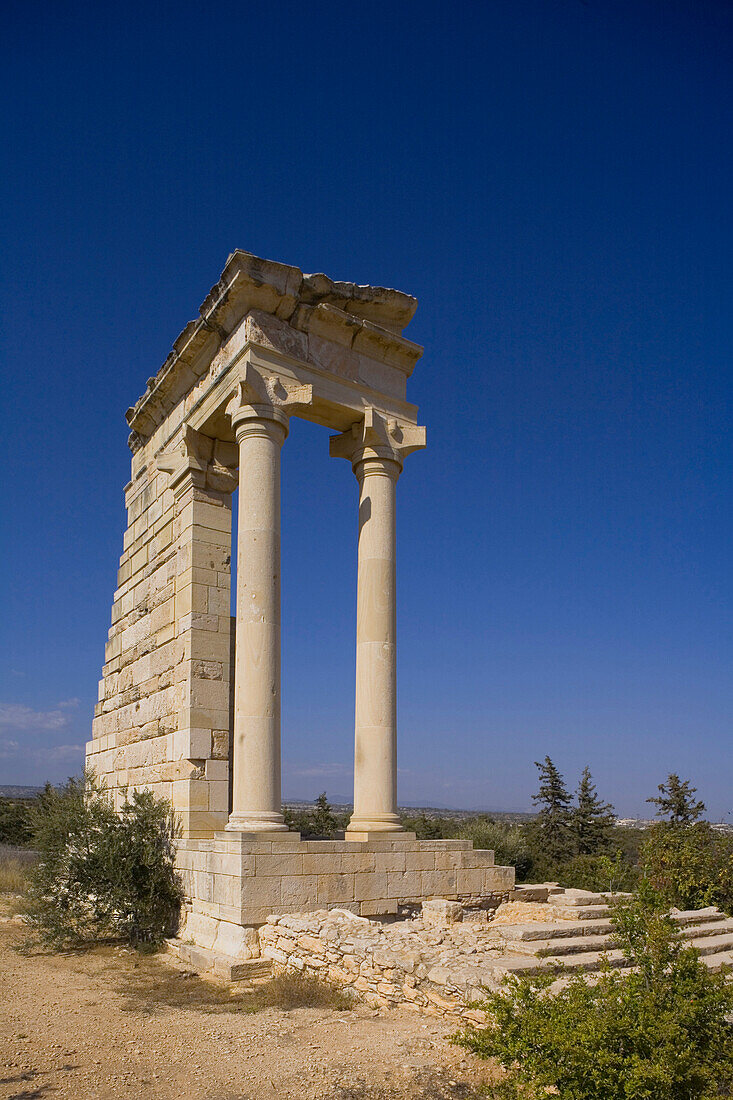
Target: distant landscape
19, 792
341, 806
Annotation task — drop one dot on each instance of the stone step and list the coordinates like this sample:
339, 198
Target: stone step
562, 946
707, 939
712, 928
583, 961
712, 945
534, 892
206, 961
599, 917
579, 912
712, 962
719, 960
546, 930
576, 899
590, 961
710, 915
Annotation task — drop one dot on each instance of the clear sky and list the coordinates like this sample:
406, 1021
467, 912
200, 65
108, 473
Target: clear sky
552, 179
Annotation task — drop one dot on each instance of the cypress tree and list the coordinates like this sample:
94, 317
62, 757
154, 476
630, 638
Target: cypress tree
592, 819
552, 831
324, 820
676, 801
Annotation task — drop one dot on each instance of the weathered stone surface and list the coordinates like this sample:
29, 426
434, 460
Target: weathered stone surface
250, 876
444, 970
437, 912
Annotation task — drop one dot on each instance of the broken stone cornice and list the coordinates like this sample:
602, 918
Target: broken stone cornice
366, 318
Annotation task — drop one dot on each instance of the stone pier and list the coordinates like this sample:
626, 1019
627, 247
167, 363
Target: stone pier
269, 343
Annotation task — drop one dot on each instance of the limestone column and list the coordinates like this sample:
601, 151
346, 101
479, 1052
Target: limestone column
260, 416
376, 448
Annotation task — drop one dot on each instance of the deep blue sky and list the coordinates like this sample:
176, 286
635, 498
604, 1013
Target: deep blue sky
552, 180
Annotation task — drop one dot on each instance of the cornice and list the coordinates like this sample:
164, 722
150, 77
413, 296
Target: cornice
365, 318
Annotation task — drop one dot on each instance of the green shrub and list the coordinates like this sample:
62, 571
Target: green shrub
690, 865
597, 873
15, 821
320, 823
509, 842
430, 827
101, 874
658, 1032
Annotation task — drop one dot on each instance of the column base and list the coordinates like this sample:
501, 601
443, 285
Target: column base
377, 825
255, 822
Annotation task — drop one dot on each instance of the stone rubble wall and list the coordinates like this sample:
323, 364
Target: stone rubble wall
440, 961
380, 965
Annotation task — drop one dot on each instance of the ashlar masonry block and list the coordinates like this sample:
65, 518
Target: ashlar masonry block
246, 875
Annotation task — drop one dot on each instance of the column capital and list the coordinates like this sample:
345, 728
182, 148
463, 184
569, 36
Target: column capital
198, 460
377, 437
261, 397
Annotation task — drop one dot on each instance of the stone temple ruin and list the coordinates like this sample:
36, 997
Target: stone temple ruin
189, 701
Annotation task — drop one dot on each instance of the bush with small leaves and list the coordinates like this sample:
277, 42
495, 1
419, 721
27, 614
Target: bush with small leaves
431, 826
690, 865
100, 874
657, 1032
508, 841
320, 823
600, 874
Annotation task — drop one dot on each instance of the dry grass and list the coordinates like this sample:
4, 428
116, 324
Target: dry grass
432, 1084
288, 991
149, 984
13, 875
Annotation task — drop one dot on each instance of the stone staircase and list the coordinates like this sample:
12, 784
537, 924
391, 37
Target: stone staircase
581, 935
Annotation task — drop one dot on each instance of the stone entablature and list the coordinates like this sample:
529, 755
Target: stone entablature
337, 329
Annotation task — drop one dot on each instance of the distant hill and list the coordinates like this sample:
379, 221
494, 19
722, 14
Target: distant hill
19, 792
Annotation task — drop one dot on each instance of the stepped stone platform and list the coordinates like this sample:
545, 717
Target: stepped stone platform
241, 878
441, 959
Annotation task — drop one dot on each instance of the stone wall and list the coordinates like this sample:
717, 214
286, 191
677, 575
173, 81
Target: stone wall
244, 877
360, 955
441, 958
163, 717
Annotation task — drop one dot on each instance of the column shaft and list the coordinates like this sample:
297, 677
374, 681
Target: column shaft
256, 788
375, 757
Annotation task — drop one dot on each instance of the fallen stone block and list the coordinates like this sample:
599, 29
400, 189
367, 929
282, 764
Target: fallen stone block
438, 912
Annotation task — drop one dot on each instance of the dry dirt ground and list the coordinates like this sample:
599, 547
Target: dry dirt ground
109, 1024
